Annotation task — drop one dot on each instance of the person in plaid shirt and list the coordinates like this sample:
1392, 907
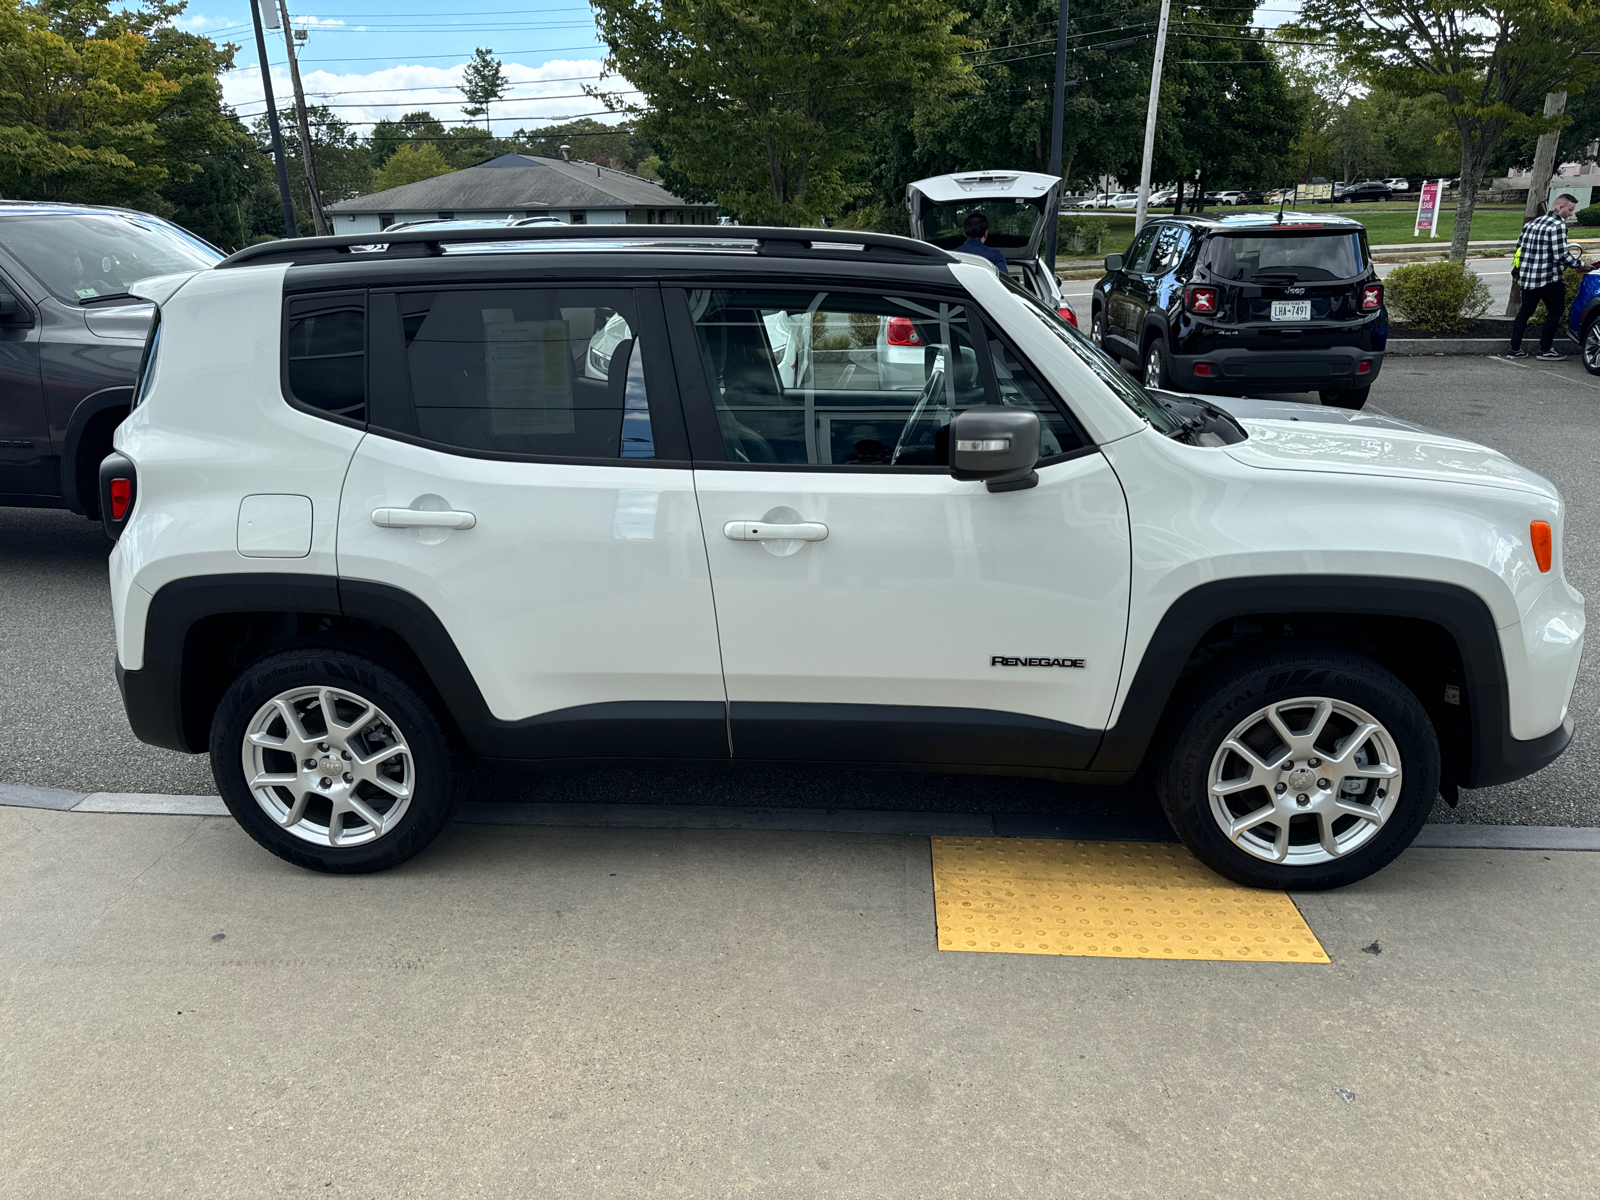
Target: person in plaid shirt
1544, 256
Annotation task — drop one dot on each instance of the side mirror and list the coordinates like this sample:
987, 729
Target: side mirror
1113, 262
996, 444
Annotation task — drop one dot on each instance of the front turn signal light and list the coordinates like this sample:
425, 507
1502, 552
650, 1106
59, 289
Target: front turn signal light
1539, 535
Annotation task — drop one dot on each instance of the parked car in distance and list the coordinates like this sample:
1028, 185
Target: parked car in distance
71, 336
1251, 196
1247, 303
1397, 184
1368, 191
1125, 201
374, 523
1229, 197
1019, 204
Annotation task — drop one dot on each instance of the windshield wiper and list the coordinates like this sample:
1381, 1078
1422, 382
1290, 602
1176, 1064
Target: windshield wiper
112, 296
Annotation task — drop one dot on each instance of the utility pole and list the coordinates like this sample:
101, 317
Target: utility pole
307, 157
289, 229
1057, 131
1150, 118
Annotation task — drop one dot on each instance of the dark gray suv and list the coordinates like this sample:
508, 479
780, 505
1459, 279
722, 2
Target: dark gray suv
71, 337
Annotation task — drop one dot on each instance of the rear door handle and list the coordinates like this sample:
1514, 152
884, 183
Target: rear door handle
760, 531
410, 518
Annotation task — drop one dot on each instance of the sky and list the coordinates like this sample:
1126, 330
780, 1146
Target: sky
371, 59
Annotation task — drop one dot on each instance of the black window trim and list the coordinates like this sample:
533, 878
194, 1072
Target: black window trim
660, 386
699, 409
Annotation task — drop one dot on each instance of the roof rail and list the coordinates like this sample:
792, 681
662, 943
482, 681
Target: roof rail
427, 243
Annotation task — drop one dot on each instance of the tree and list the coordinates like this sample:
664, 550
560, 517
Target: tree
109, 107
483, 82
619, 145
343, 161
769, 104
412, 163
1490, 61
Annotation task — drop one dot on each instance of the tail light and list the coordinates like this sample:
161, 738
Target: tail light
1200, 300
1539, 536
1371, 297
1067, 315
119, 488
902, 332
1364, 367
1202, 368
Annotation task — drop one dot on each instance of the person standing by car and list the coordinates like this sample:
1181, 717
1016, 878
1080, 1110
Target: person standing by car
976, 227
1543, 254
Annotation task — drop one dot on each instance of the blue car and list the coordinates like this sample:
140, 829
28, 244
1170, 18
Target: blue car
1585, 321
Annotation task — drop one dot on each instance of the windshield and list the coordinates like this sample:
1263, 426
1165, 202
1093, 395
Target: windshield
1333, 255
82, 256
1011, 222
1130, 393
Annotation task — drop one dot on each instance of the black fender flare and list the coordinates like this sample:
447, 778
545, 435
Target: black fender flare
1492, 756
91, 406
1155, 322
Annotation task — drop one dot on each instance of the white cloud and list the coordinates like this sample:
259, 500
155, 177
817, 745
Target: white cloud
318, 22
374, 96
199, 22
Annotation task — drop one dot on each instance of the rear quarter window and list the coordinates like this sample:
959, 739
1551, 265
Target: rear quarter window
324, 354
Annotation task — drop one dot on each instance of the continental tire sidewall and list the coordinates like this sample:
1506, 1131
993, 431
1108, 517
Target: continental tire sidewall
436, 794
1231, 696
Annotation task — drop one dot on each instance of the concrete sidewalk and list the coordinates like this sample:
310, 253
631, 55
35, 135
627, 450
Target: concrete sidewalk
707, 1013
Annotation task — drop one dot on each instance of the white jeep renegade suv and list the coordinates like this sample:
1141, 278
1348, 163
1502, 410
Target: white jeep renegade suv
378, 511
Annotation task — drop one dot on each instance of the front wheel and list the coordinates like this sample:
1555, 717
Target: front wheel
1097, 330
1304, 769
333, 761
1155, 365
1344, 397
1590, 345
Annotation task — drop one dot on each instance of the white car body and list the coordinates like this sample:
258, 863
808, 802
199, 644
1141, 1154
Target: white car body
594, 584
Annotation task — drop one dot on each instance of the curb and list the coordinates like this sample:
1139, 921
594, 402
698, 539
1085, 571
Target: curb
801, 820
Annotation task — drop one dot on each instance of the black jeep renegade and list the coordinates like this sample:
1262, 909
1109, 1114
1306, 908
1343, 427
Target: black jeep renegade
1247, 304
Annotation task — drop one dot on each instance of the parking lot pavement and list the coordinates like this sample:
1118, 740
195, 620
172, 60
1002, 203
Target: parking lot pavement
62, 725
665, 1013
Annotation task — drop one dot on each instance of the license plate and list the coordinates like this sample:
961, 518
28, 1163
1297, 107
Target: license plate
1291, 310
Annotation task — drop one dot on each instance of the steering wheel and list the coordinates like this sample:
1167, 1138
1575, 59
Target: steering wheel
930, 392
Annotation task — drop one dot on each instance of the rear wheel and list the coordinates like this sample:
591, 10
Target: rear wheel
1345, 397
333, 761
1590, 344
1303, 769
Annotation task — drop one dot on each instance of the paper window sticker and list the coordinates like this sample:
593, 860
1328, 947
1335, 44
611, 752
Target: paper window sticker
525, 376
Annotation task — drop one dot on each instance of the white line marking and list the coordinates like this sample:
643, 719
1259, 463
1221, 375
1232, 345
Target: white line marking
150, 802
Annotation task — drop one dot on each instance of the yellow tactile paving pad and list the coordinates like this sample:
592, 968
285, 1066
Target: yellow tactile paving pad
1107, 900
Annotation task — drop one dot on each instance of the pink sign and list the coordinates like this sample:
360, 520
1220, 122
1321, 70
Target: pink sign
1428, 210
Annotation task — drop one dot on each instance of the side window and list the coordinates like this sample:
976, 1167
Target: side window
1168, 250
1138, 256
325, 353
1020, 388
537, 371
850, 380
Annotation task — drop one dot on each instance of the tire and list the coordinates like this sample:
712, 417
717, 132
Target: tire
421, 772
1321, 696
1097, 332
1589, 346
1352, 398
1157, 372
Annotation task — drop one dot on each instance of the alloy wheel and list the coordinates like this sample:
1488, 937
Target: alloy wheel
1304, 781
1152, 367
1097, 330
1591, 347
328, 766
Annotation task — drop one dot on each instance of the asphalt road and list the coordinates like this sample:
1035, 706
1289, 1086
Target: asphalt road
687, 1013
62, 725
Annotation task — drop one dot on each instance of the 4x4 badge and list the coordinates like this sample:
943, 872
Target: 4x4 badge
1002, 660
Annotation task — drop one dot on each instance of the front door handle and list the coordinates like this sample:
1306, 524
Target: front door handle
761, 531
412, 518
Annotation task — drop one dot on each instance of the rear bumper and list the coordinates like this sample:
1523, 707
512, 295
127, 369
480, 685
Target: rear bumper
1241, 370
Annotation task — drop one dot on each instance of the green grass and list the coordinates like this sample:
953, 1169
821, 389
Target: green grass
1387, 224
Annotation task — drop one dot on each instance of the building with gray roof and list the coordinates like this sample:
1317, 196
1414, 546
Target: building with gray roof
523, 185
